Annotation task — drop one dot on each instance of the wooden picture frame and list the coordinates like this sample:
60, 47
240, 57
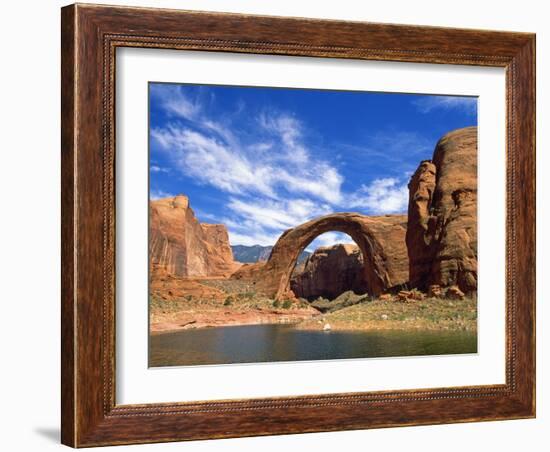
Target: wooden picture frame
90, 36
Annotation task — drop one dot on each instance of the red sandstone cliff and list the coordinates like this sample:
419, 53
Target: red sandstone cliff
181, 246
442, 224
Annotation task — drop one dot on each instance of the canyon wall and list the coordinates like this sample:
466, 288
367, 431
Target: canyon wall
181, 246
442, 216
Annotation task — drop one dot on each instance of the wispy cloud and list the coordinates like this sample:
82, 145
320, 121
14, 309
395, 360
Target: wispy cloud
394, 144
155, 194
159, 169
214, 163
389, 152
264, 220
282, 214
389, 146
462, 103
251, 238
275, 159
175, 102
268, 174
289, 131
205, 217
329, 239
382, 196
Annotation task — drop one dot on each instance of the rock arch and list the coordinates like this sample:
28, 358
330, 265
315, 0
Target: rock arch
381, 240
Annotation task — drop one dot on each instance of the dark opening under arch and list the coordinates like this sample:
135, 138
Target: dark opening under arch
330, 269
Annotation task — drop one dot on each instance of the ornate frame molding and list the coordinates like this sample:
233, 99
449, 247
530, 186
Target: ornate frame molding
90, 37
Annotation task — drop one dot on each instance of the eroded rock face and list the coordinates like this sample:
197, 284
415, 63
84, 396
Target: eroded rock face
420, 241
381, 241
249, 272
442, 225
181, 246
329, 272
219, 251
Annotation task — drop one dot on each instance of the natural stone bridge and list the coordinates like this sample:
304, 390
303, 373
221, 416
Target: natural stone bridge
441, 225
381, 240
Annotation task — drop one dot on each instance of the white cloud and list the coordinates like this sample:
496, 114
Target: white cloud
251, 238
463, 103
175, 102
158, 169
289, 130
271, 179
265, 216
155, 194
262, 167
320, 180
382, 196
262, 221
329, 239
278, 214
213, 163
205, 217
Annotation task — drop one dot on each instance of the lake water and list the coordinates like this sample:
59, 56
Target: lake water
268, 343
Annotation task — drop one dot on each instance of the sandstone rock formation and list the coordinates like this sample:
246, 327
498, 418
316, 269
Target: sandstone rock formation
381, 240
220, 255
442, 217
330, 271
179, 245
249, 272
420, 243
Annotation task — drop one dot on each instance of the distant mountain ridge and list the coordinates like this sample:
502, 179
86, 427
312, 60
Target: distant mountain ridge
251, 254
258, 253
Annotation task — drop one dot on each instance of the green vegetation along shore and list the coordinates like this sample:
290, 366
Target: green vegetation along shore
227, 302
427, 314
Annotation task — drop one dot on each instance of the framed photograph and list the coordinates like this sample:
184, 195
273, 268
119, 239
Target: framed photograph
282, 225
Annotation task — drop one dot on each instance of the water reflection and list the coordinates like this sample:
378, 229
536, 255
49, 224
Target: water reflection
267, 343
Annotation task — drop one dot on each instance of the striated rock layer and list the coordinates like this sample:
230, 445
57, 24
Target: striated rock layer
442, 217
330, 271
179, 245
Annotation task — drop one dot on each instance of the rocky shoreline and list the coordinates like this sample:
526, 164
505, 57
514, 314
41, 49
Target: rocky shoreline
406, 310
217, 318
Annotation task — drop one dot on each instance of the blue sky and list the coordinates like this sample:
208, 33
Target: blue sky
262, 160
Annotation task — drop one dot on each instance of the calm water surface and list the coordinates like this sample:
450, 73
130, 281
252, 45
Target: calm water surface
265, 343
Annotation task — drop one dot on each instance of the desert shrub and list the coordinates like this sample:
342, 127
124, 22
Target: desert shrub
228, 301
276, 304
287, 304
